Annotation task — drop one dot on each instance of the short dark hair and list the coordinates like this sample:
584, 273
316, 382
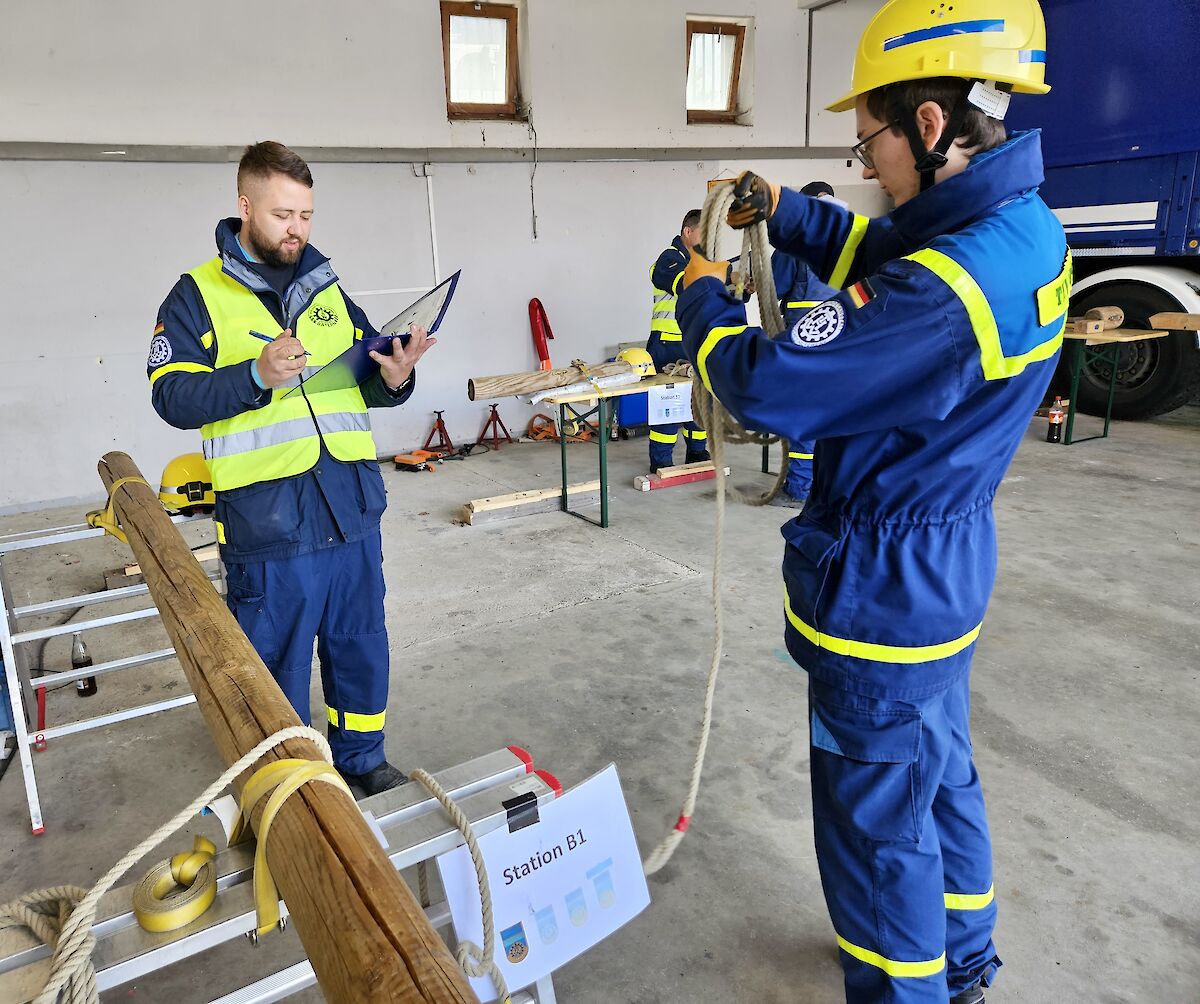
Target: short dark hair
690, 219
897, 102
261, 160
816, 188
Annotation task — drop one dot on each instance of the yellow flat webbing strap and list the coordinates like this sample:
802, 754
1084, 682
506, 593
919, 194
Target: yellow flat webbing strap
285, 777
587, 373
106, 519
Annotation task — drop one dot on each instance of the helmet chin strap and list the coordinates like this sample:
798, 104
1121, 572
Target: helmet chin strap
929, 162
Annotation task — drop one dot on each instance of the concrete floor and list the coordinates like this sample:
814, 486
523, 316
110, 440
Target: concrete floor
590, 647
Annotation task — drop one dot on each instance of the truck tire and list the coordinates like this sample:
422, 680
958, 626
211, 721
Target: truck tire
1154, 376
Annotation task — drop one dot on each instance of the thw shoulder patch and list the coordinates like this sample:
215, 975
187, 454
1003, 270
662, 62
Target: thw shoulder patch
160, 348
820, 325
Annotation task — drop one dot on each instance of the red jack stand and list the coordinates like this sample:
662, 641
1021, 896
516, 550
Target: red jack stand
439, 430
495, 424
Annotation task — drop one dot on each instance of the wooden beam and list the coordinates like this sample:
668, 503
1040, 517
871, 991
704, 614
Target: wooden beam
1176, 322
527, 503
682, 474
210, 552
513, 384
367, 937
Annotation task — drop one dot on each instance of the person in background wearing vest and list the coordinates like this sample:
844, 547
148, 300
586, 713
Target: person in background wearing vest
299, 493
919, 378
664, 344
799, 291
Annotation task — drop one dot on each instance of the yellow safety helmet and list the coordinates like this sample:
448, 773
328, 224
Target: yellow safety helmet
186, 485
991, 40
639, 359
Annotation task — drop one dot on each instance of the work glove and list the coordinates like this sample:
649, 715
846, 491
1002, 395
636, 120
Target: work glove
698, 267
754, 200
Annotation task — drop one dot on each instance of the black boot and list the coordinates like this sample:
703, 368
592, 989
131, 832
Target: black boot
702, 457
377, 779
972, 995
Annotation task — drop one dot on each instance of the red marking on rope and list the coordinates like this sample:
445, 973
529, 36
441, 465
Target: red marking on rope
523, 755
683, 823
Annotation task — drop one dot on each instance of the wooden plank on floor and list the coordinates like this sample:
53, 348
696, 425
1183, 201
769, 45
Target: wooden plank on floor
489, 510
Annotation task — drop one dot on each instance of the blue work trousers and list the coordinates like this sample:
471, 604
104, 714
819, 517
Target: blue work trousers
664, 437
335, 596
902, 844
800, 469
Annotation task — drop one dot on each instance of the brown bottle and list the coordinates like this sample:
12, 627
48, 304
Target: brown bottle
80, 660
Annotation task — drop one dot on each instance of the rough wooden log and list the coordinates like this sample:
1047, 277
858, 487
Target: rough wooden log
363, 930
1110, 317
513, 384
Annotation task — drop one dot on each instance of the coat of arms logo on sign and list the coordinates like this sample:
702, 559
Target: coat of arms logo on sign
820, 325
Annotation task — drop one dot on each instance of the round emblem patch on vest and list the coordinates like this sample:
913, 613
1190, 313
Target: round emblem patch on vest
160, 351
820, 325
325, 316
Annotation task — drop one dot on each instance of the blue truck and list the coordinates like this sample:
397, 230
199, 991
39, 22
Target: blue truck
1121, 137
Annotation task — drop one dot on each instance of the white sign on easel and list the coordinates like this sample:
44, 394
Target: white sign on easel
669, 403
559, 886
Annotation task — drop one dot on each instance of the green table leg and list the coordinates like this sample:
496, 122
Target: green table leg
603, 464
1111, 355
1076, 370
562, 445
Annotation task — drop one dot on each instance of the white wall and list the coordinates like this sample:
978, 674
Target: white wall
599, 73
91, 249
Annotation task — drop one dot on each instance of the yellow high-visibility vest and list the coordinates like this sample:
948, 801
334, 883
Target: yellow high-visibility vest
662, 313
283, 438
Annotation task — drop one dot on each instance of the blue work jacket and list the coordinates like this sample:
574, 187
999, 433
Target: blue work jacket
333, 502
919, 379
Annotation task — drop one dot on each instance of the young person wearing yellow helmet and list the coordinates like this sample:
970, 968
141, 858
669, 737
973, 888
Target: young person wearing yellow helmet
918, 380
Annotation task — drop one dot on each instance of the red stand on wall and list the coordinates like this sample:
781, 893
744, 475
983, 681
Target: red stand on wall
495, 424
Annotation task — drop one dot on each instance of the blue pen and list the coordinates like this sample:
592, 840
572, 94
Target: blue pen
268, 338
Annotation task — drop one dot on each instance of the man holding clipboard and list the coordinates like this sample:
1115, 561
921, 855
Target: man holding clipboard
299, 493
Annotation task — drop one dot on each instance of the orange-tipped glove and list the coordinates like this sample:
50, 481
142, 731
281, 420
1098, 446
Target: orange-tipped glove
698, 267
754, 201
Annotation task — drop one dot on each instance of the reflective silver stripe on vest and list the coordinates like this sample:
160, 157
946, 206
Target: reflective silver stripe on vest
295, 381
284, 432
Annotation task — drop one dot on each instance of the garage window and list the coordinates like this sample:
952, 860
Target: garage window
479, 50
714, 67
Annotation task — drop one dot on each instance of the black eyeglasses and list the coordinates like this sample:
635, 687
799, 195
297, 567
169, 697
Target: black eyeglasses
861, 151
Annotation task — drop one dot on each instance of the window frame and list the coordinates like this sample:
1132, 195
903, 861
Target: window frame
730, 114
511, 109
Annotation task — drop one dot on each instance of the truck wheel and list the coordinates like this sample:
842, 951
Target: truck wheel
1154, 376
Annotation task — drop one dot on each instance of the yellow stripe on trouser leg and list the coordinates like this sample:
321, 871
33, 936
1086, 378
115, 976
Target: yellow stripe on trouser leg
907, 655
363, 723
964, 901
173, 893
800, 456
893, 967
664, 437
285, 776
695, 434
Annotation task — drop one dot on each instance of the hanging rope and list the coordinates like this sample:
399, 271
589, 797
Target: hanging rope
720, 424
475, 961
709, 412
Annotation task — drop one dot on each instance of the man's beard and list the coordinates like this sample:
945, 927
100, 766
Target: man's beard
275, 256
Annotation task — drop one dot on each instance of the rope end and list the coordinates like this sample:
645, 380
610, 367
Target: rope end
683, 823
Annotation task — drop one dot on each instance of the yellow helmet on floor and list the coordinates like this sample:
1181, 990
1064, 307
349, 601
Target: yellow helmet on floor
639, 359
186, 485
999, 40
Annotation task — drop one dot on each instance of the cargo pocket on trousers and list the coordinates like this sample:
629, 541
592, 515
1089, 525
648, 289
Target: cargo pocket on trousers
865, 770
247, 602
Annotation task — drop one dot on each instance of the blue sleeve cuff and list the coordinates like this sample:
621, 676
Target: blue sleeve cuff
254, 373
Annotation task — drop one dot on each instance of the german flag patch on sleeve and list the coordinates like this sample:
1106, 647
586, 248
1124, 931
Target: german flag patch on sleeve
861, 293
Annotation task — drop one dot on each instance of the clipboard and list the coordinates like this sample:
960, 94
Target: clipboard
354, 365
